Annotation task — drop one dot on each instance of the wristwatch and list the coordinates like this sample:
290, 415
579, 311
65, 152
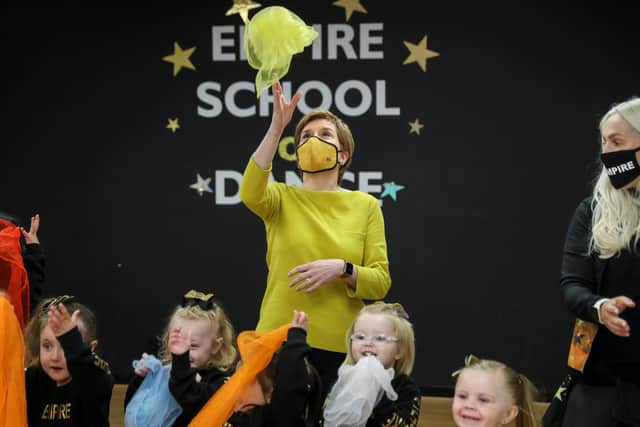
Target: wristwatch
347, 270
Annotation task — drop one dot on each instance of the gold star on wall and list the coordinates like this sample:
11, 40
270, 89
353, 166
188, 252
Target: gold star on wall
180, 58
242, 7
415, 126
173, 125
350, 6
419, 53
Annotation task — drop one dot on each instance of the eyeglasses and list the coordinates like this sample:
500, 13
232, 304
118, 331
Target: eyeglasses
378, 339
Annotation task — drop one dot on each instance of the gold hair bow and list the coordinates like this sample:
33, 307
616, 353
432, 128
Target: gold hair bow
202, 300
469, 360
397, 308
62, 299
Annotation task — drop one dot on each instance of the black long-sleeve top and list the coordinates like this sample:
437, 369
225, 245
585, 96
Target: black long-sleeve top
404, 411
35, 264
190, 394
82, 402
586, 278
291, 390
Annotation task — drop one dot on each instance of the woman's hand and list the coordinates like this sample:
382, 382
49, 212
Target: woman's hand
282, 110
610, 315
300, 320
314, 274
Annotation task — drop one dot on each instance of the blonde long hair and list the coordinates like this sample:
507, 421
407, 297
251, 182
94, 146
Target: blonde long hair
615, 223
403, 329
219, 326
519, 387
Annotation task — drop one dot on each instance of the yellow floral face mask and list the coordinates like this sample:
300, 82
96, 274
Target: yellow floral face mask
316, 155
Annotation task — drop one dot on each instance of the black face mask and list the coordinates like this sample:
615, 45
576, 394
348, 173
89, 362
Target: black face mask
621, 166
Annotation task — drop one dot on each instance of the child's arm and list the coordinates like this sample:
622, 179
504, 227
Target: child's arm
91, 377
405, 411
292, 382
190, 392
34, 260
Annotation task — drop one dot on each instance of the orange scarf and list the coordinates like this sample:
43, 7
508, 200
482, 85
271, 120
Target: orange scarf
256, 351
13, 276
13, 397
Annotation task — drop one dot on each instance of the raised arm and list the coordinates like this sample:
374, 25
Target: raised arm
282, 113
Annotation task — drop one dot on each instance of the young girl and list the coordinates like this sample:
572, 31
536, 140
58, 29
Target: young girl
490, 394
274, 384
374, 387
67, 383
198, 343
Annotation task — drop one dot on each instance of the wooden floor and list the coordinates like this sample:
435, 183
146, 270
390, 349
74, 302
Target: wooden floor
434, 412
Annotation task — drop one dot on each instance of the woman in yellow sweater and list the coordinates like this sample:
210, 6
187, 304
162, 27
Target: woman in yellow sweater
326, 246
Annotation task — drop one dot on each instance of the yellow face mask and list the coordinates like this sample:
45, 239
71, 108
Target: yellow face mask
316, 155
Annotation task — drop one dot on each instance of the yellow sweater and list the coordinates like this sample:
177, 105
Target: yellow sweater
303, 226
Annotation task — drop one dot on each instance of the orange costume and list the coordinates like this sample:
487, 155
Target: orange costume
13, 401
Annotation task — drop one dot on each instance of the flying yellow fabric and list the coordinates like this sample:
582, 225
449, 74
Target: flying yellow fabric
271, 38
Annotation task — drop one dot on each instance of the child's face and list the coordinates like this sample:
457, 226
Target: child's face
370, 326
203, 345
481, 400
252, 396
52, 357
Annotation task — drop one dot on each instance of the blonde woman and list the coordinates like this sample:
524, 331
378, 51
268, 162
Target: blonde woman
600, 278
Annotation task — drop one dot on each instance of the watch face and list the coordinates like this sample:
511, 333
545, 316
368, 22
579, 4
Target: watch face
348, 268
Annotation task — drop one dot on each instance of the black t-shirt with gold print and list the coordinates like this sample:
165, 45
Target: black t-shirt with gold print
84, 401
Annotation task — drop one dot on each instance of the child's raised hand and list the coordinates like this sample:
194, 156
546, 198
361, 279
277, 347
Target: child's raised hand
60, 321
31, 236
178, 342
300, 320
141, 370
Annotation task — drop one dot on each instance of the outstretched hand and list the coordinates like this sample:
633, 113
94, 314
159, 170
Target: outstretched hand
300, 320
312, 275
60, 321
179, 343
282, 110
31, 236
610, 315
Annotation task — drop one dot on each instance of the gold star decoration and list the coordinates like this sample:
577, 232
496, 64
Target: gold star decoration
173, 125
242, 7
180, 58
415, 126
350, 6
419, 53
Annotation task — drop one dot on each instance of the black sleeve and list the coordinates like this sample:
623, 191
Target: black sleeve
91, 377
578, 277
404, 411
35, 263
190, 394
292, 381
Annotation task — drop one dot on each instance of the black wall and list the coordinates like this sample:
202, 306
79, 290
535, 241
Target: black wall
508, 148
